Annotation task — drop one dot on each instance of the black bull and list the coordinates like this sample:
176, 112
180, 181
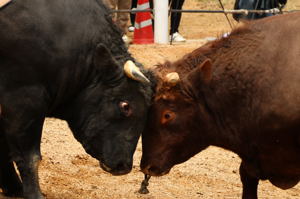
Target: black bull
65, 59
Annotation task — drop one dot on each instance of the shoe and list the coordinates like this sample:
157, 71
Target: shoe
125, 38
226, 34
131, 29
176, 37
210, 38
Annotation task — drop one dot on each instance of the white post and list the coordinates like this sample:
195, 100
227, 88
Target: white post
161, 21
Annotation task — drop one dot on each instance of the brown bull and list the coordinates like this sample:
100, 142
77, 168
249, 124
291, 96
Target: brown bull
241, 93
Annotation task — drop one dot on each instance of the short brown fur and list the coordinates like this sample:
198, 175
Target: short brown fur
250, 105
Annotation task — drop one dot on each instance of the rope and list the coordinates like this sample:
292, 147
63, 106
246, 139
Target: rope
240, 11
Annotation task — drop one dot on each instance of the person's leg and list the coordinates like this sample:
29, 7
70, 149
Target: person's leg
134, 5
151, 7
123, 18
111, 4
132, 16
151, 4
175, 17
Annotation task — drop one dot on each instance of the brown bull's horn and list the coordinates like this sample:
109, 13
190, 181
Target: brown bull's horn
172, 78
133, 72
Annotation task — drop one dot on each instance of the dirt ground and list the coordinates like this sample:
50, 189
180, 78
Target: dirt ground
66, 171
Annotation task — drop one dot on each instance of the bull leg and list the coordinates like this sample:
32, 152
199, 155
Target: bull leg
9, 180
28, 167
249, 183
25, 148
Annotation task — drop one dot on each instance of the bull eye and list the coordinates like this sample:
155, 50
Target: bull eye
167, 116
125, 108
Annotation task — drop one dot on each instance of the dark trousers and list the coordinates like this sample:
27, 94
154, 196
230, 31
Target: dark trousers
132, 16
256, 5
134, 5
175, 16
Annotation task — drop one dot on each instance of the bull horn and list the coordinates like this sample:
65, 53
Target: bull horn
133, 72
4, 2
172, 78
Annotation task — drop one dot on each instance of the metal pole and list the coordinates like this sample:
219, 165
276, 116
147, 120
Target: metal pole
161, 21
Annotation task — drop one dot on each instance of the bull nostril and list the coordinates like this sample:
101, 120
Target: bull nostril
150, 170
105, 168
123, 166
154, 171
145, 170
120, 168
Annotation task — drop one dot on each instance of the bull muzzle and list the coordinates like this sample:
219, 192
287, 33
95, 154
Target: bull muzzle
119, 169
154, 171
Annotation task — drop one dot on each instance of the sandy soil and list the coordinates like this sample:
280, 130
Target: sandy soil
66, 171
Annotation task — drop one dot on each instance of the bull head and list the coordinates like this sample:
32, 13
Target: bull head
133, 72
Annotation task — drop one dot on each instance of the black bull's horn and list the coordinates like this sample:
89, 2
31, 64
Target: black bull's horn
4, 2
133, 72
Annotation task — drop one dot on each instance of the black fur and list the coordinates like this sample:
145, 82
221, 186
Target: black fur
65, 59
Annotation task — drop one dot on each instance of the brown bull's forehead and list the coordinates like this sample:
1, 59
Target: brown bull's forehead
166, 97
166, 92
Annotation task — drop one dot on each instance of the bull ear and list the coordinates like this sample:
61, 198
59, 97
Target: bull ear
202, 73
106, 64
